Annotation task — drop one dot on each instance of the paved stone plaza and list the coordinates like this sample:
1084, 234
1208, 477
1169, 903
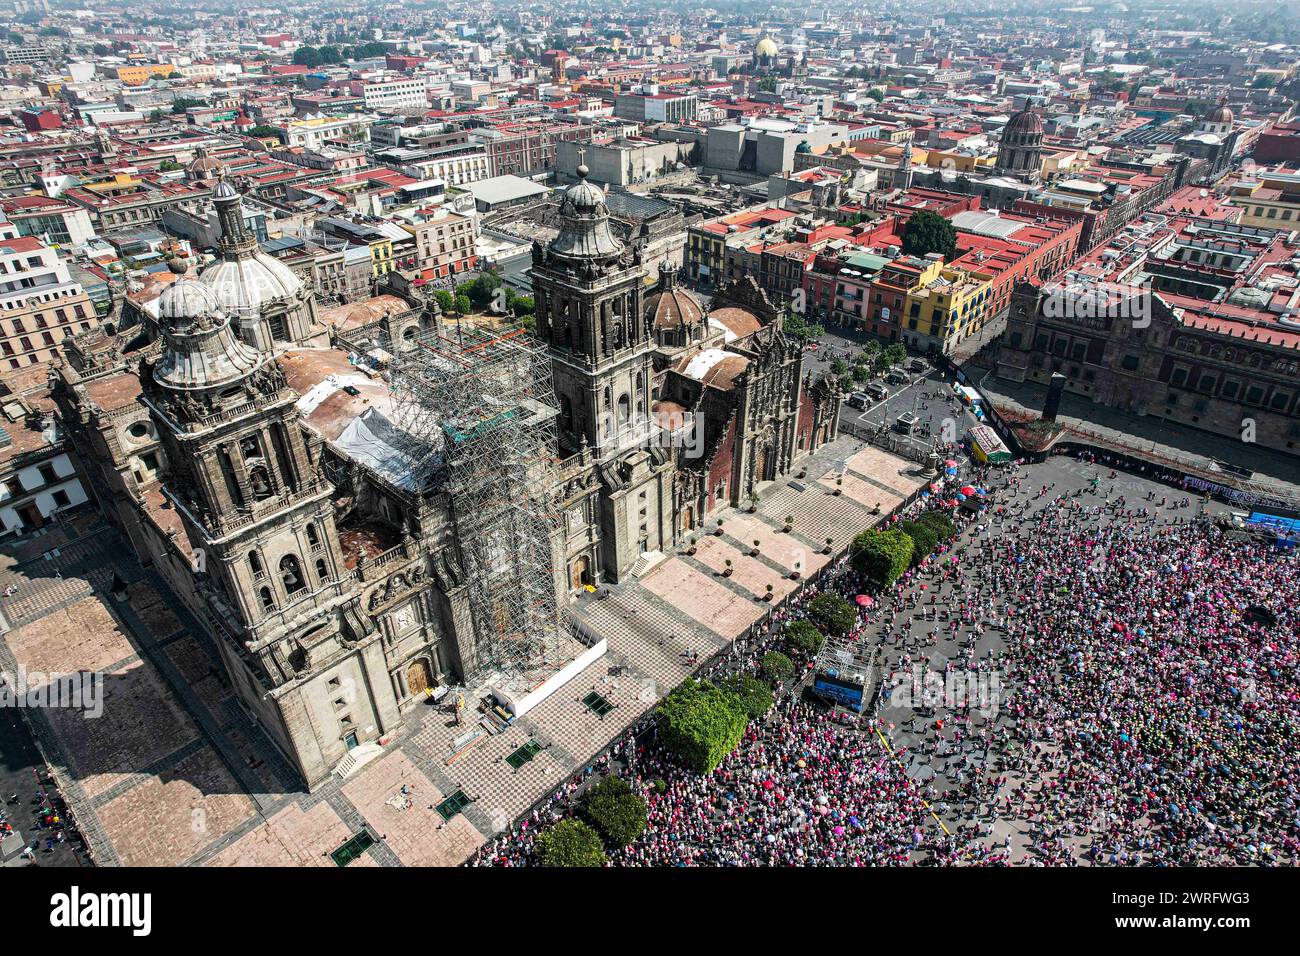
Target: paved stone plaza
173, 773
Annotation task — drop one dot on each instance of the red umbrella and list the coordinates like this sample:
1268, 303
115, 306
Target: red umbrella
968, 490
864, 600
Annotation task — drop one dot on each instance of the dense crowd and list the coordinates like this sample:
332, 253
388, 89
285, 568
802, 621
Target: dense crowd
1147, 715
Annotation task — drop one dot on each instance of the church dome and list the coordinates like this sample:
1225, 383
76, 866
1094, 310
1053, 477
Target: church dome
186, 298
244, 285
584, 223
1026, 122
204, 167
199, 349
766, 47
669, 307
1221, 114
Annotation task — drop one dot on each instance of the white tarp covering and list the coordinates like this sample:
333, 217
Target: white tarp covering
373, 440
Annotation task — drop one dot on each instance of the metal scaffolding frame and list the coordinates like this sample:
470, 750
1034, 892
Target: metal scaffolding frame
477, 411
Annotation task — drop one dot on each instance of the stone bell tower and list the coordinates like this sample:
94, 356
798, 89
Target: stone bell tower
242, 476
588, 287
588, 292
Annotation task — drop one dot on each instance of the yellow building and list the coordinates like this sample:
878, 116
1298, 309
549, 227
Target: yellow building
381, 257
137, 74
1269, 199
945, 305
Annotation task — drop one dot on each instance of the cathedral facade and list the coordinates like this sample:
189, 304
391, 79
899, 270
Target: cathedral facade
234, 448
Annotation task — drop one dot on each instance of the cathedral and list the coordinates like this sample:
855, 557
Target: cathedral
248, 447
1020, 151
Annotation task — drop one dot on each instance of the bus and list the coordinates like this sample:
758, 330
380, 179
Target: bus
986, 447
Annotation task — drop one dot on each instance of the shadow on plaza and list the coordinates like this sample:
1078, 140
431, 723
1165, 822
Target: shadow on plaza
149, 694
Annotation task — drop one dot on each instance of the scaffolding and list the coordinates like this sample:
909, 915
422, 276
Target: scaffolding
477, 413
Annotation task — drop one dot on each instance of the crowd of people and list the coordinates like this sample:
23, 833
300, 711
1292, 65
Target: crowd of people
1144, 716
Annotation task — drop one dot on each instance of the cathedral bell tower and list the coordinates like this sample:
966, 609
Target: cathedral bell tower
242, 478
588, 290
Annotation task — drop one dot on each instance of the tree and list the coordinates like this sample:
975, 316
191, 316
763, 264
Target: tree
615, 810
804, 637
776, 666
755, 696
182, 103
307, 56
101, 49
463, 305
940, 523
330, 54
262, 131
801, 330
883, 556
924, 539
895, 354
700, 724
928, 232
483, 287
446, 301
832, 614
570, 843
876, 95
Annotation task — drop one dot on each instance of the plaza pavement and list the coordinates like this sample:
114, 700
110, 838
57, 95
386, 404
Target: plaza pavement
174, 774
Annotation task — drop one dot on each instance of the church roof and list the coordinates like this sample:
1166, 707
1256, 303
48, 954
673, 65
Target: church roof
736, 323
717, 368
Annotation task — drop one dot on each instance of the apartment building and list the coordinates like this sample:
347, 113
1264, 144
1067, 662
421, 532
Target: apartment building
397, 94
40, 304
444, 243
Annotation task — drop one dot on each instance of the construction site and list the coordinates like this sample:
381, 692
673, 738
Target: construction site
477, 414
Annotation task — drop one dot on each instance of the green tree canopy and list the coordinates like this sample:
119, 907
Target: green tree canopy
776, 666
928, 232
804, 637
615, 810
832, 614
883, 556
755, 695
570, 843
700, 724
307, 56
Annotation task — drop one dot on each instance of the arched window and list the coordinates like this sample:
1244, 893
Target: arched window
322, 571
268, 602
313, 538
255, 564
624, 408
291, 574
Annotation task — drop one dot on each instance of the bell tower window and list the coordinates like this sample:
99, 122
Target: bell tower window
291, 574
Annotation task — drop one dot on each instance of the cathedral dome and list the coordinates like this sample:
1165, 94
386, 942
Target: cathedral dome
244, 285
766, 47
199, 349
186, 298
1026, 122
669, 307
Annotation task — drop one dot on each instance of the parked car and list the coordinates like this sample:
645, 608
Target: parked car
859, 400
877, 391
